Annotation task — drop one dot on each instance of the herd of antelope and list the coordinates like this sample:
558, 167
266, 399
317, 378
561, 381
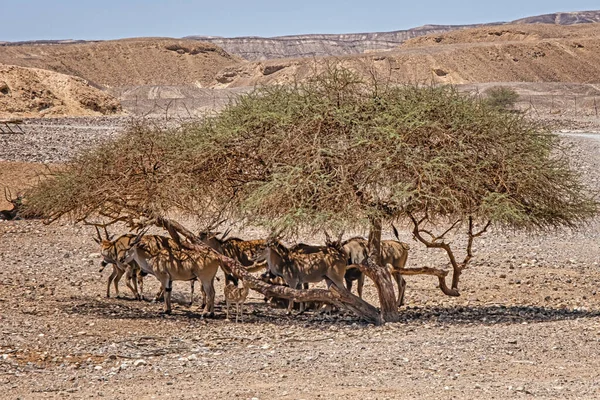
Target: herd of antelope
136, 256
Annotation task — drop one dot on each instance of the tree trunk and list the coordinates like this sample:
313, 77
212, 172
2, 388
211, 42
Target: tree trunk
340, 297
456, 278
381, 275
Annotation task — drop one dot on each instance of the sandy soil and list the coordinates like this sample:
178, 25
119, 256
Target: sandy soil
127, 62
33, 92
527, 325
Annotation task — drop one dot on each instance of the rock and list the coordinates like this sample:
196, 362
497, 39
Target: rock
139, 362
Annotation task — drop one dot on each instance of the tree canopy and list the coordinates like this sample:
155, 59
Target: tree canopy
335, 151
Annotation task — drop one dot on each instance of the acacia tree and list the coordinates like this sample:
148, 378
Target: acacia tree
334, 152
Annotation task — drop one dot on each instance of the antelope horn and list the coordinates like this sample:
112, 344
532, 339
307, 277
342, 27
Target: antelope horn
139, 236
341, 236
275, 235
214, 226
99, 240
396, 232
225, 234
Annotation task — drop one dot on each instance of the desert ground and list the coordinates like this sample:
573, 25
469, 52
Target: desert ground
526, 325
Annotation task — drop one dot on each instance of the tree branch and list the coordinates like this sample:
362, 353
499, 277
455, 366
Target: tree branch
439, 245
472, 236
336, 296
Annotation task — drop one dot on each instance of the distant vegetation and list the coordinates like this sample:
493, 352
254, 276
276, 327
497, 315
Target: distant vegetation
501, 97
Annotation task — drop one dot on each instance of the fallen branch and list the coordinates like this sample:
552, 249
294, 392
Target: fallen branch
339, 297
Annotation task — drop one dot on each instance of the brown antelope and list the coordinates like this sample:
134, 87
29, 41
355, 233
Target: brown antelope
17, 203
234, 294
329, 263
110, 251
132, 271
244, 251
172, 264
356, 250
393, 252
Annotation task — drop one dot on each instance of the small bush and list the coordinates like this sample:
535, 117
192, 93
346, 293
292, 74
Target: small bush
501, 97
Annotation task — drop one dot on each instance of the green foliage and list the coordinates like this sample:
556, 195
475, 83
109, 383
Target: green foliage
501, 97
331, 152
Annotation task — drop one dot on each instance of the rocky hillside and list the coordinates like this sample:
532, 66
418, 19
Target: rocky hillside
257, 48
129, 62
33, 92
298, 46
508, 53
562, 18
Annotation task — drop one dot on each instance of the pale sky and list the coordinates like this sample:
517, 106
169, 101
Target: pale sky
113, 19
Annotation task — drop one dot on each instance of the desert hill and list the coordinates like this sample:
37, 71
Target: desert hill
562, 18
319, 45
507, 33
33, 92
510, 53
128, 62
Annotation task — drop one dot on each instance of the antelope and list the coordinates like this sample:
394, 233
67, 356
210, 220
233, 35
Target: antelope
297, 268
110, 257
236, 295
110, 251
172, 264
356, 250
244, 251
271, 279
393, 253
17, 203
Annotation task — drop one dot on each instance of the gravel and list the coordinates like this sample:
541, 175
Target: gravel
527, 323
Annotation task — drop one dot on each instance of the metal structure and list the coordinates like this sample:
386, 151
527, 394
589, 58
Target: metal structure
11, 127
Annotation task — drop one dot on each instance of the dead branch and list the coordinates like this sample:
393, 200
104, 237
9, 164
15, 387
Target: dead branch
472, 236
446, 247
